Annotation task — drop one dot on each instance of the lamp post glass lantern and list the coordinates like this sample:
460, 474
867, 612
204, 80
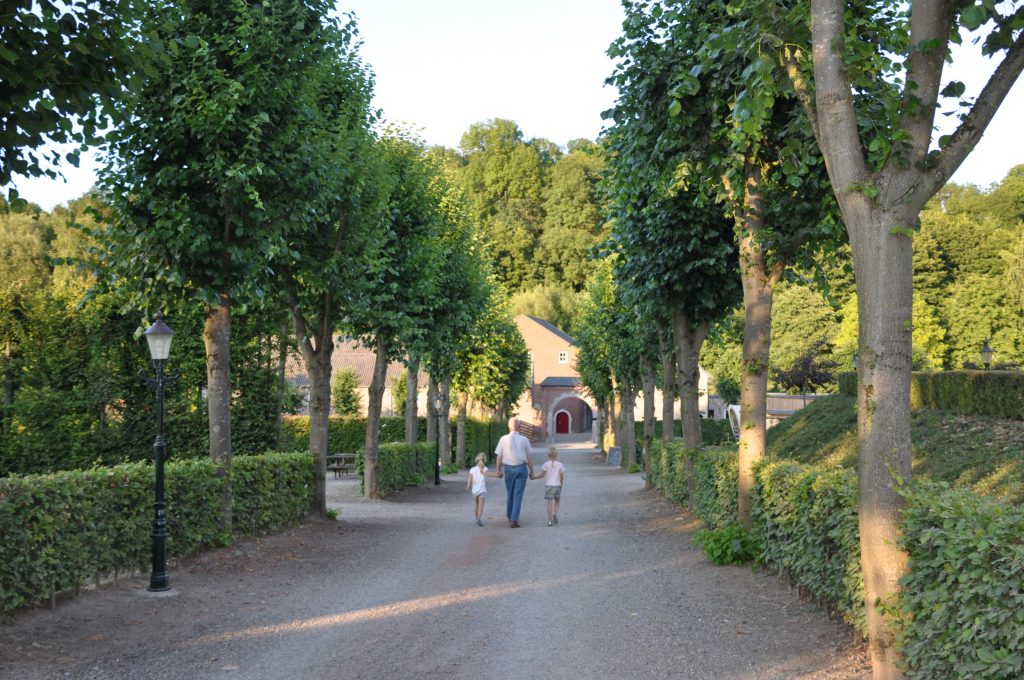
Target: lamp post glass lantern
985, 353
158, 337
437, 447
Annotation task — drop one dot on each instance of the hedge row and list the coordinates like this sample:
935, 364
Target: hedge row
61, 530
963, 599
401, 465
999, 394
347, 434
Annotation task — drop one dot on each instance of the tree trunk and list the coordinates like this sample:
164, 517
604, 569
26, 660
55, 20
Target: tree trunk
689, 339
758, 281
412, 429
316, 354
375, 394
445, 423
613, 435
882, 262
431, 411
460, 427
649, 381
216, 338
282, 364
668, 394
317, 345
688, 343
627, 412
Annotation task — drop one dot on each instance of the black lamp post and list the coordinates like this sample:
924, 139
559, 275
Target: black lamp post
856, 361
986, 354
158, 336
437, 448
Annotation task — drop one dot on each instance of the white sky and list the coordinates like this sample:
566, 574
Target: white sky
445, 64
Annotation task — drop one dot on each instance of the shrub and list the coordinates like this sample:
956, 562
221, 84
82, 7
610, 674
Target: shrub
62, 529
344, 397
401, 465
964, 594
729, 544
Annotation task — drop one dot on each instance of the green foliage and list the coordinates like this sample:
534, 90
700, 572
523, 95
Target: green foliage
803, 325
62, 529
847, 383
493, 363
401, 465
556, 304
61, 65
634, 468
998, 394
344, 397
716, 479
729, 544
962, 596
805, 524
809, 372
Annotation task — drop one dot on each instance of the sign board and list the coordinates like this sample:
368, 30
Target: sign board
614, 456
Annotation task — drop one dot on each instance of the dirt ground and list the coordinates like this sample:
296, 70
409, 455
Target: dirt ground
410, 587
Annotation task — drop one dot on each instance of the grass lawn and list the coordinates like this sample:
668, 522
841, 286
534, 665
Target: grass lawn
980, 453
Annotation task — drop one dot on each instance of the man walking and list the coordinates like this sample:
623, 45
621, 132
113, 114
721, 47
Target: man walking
514, 464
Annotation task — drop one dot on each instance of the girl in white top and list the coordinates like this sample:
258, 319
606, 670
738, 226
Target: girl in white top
553, 473
477, 483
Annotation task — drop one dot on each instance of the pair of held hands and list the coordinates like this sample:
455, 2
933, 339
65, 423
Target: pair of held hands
539, 475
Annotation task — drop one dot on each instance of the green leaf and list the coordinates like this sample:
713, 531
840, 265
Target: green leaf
674, 108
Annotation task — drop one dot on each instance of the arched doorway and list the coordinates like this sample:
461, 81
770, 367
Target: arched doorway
563, 422
569, 415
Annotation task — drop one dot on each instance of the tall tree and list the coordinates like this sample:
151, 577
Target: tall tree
209, 212
885, 163
744, 139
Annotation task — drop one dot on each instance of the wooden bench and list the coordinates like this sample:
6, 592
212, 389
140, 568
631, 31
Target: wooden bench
341, 464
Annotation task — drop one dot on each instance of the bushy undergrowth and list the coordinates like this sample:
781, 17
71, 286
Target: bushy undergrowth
61, 530
730, 544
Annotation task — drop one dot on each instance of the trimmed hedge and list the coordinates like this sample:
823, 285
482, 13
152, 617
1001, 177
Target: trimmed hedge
805, 525
716, 472
347, 434
963, 598
964, 595
713, 431
999, 394
400, 465
63, 529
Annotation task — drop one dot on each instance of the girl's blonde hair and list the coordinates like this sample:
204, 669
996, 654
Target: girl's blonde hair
480, 458
552, 453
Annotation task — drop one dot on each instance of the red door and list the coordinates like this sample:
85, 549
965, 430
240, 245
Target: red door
562, 423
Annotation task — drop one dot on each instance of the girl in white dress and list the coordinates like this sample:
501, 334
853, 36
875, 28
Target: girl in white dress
477, 483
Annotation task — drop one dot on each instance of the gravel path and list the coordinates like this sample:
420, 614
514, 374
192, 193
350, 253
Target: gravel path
412, 588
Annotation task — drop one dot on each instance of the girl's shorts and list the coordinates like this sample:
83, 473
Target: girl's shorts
480, 494
552, 492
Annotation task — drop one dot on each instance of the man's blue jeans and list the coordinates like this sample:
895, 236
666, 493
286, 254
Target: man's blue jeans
515, 485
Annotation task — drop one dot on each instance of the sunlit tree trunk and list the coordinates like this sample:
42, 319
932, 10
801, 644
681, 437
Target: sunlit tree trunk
689, 337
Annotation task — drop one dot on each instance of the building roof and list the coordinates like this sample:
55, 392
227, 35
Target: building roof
553, 328
555, 381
